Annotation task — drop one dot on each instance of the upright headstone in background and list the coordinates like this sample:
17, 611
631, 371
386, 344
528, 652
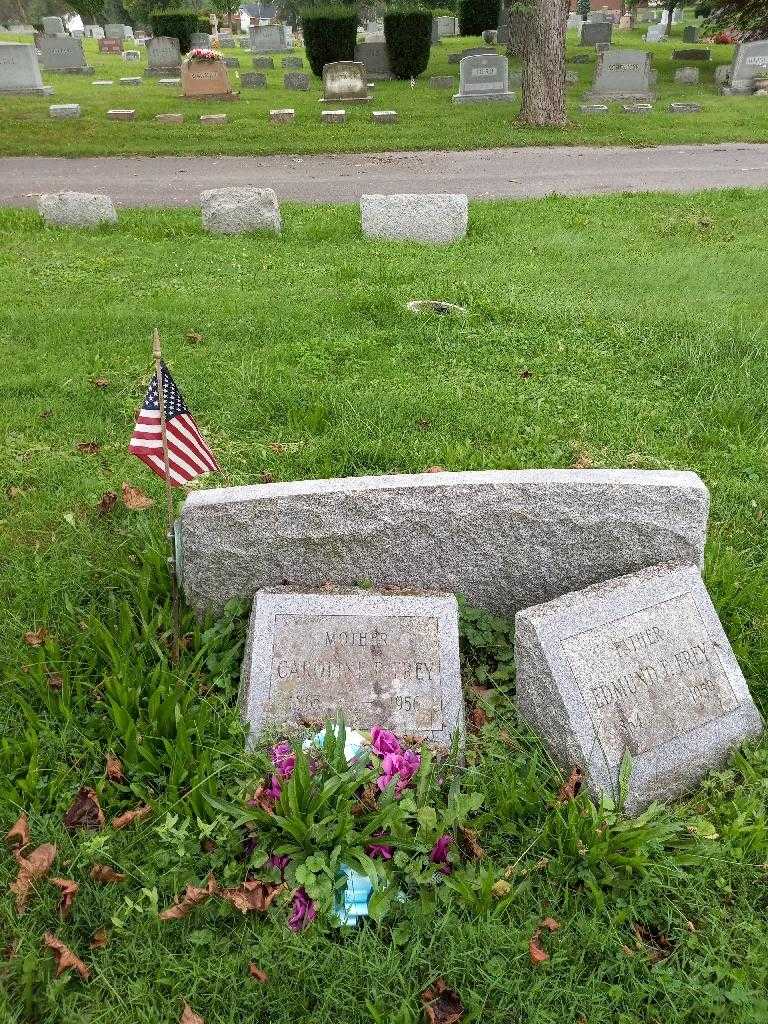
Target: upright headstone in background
381, 659
53, 26
482, 79
640, 665
20, 71
200, 41
656, 33
595, 32
376, 60
750, 61
374, 32
94, 32
447, 26
506, 539
107, 45
345, 81
471, 51
574, 21
690, 34
163, 57
622, 75
120, 32
226, 40
270, 38
65, 54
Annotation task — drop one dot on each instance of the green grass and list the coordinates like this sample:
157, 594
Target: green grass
428, 119
631, 329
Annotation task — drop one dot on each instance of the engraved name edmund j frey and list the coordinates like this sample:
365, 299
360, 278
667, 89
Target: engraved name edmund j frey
649, 677
378, 669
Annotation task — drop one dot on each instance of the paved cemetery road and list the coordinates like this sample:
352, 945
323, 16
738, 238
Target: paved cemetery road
487, 173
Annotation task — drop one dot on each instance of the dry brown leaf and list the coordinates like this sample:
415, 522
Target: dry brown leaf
135, 500
582, 460
194, 896
194, 337
106, 503
89, 447
254, 895
257, 973
468, 840
478, 718
55, 681
441, 1004
36, 637
501, 888
188, 1016
85, 811
31, 870
114, 769
571, 788
266, 478
277, 448
128, 817
100, 382
18, 835
262, 800
550, 924
65, 958
103, 874
655, 942
526, 374
537, 954
99, 939
68, 889
435, 469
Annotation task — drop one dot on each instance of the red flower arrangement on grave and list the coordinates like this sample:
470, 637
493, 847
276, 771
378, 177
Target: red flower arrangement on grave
200, 54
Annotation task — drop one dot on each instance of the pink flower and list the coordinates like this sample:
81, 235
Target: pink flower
279, 862
284, 759
274, 788
403, 766
381, 850
303, 911
439, 854
384, 742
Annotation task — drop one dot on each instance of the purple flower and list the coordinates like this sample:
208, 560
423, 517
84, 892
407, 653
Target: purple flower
403, 766
279, 862
303, 911
381, 850
274, 788
284, 759
384, 742
439, 854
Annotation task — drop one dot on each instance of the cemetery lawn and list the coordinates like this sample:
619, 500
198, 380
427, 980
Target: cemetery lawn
608, 331
428, 118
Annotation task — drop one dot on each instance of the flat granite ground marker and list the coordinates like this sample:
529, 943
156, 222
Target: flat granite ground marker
506, 539
382, 659
638, 664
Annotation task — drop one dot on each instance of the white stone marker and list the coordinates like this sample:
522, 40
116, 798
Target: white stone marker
64, 110
20, 71
76, 209
381, 659
638, 664
234, 211
506, 539
436, 219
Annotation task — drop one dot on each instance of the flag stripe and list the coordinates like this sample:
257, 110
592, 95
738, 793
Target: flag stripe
188, 454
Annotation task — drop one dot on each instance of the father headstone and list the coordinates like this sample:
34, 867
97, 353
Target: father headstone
346, 81
65, 54
749, 62
506, 539
482, 79
20, 71
622, 75
594, 32
641, 665
270, 38
380, 658
163, 57
376, 59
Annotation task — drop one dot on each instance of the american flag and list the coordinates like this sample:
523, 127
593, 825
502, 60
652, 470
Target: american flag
188, 454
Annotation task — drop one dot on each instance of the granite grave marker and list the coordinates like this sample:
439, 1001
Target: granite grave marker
482, 79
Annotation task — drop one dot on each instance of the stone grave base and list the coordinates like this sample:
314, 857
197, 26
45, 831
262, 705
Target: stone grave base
86, 70
42, 90
502, 97
214, 96
619, 97
349, 99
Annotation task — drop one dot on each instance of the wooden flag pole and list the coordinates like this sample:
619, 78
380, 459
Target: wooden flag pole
157, 355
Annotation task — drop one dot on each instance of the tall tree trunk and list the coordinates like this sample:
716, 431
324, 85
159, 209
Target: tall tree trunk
539, 38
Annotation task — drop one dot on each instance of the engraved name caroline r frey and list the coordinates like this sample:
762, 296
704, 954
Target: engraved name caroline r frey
649, 677
376, 669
